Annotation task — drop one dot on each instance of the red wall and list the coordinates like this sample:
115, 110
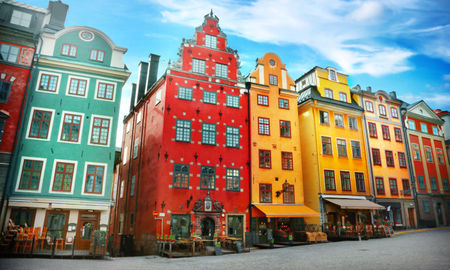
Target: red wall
431, 166
442, 167
418, 165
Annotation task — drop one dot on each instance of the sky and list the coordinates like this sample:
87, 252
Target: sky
390, 45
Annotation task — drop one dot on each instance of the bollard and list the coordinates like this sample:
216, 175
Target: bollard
73, 245
53, 246
359, 236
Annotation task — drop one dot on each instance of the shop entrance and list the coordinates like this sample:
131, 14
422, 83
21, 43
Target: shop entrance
87, 224
411, 217
208, 228
439, 214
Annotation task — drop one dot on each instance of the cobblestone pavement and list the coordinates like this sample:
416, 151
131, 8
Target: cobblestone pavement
412, 250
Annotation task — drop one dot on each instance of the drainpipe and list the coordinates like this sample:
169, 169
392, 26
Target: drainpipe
249, 161
369, 154
321, 203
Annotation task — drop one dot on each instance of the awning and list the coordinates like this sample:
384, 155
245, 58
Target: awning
287, 210
356, 204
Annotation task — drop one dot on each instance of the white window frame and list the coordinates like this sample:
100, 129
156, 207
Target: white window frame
125, 156
128, 126
61, 124
43, 72
327, 90
97, 85
199, 61
69, 79
52, 178
122, 188
22, 18
136, 148
139, 117
91, 124
105, 176
422, 125
30, 120
335, 79
221, 70
343, 97
44, 161
212, 40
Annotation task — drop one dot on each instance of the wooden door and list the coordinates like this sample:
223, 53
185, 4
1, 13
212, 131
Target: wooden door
88, 222
412, 222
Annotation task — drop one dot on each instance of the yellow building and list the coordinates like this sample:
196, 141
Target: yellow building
335, 168
276, 177
389, 175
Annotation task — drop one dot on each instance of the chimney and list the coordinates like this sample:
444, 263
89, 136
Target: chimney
369, 89
143, 67
133, 96
152, 71
393, 95
58, 13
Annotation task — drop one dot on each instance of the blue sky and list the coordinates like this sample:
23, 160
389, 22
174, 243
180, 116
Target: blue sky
393, 45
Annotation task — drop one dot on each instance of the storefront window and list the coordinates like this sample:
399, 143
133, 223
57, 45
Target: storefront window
56, 224
180, 226
235, 226
22, 217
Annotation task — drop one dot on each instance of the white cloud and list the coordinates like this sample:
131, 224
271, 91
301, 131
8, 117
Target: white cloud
447, 77
434, 100
368, 11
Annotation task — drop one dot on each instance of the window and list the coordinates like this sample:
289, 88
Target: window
30, 176
131, 219
382, 110
264, 159
209, 97
273, 79
288, 194
184, 93
352, 124
233, 179
406, 187
285, 128
440, 156
125, 155
48, 82
263, 126
369, 106
94, 179
398, 134
341, 147
40, 124
265, 193
360, 186
433, 184
208, 177
332, 75
329, 180
394, 112
233, 101
412, 124
71, 127
435, 130
415, 150
77, 87
5, 88
235, 226
345, 181
401, 160
376, 156
426, 206
100, 130
183, 131
263, 100
180, 176
445, 184
342, 96
21, 18
324, 118
393, 186
210, 41
385, 131
122, 188
286, 161
132, 185
428, 154
326, 146
198, 66
97, 55
139, 117
105, 91
2, 128
421, 181
157, 97
9, 53
69, 50
233, 137
373, 130
20, 216
283, 103
136, 148
208, 133
379, 185
180, 226
389, 158
328, 93
356, 149
221, 70
338, 120
423, 127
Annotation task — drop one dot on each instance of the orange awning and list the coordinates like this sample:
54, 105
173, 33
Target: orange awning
356, 204
287, 210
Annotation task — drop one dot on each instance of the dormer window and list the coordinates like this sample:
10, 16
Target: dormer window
342, 96
332, 75
21, 18
97, 55
211, 41
328, 93
273, 80
69, 50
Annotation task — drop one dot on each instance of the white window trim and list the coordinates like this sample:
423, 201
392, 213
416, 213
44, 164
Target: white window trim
52, 179
61, 127
346, 147
97, 87
69, 78
139, 117
331, 142
44, 161
103, 182
335, 73
21, 21
360, 149
125, 155
128, 127
91, 124
30, 120
49, 73
122, 189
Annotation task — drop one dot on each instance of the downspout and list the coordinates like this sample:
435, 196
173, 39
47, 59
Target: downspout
19, 132
369, 155
321, 205
249, 162
130, 160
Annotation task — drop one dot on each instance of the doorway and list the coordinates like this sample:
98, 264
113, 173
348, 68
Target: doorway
56, 222
439, 214
87, 224
208, 228
411, 217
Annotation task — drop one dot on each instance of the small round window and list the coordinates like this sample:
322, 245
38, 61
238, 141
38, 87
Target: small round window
86, 36
272, 62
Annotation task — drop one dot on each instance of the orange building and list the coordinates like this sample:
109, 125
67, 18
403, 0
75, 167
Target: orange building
335, 167
276, 176
389, 167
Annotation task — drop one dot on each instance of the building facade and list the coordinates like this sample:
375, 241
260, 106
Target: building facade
62, 176
426, 144
334, 159
185, 162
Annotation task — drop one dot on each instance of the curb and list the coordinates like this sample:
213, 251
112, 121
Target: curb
423, 230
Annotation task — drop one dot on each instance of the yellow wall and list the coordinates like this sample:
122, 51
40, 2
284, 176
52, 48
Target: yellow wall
336, 86
274, 142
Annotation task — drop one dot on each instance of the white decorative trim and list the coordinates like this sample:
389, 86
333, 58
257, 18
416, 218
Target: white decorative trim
52, 177
80, 132
34, 202
97, 84
105, 175
84, 74
69, 78
354, 197
91, 128
44, 161
89, 32
30, 120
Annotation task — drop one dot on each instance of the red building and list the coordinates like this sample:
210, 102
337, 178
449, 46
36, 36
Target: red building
185, 157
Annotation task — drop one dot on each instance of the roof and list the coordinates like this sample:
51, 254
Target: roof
312, 93
356, 204
287, 210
